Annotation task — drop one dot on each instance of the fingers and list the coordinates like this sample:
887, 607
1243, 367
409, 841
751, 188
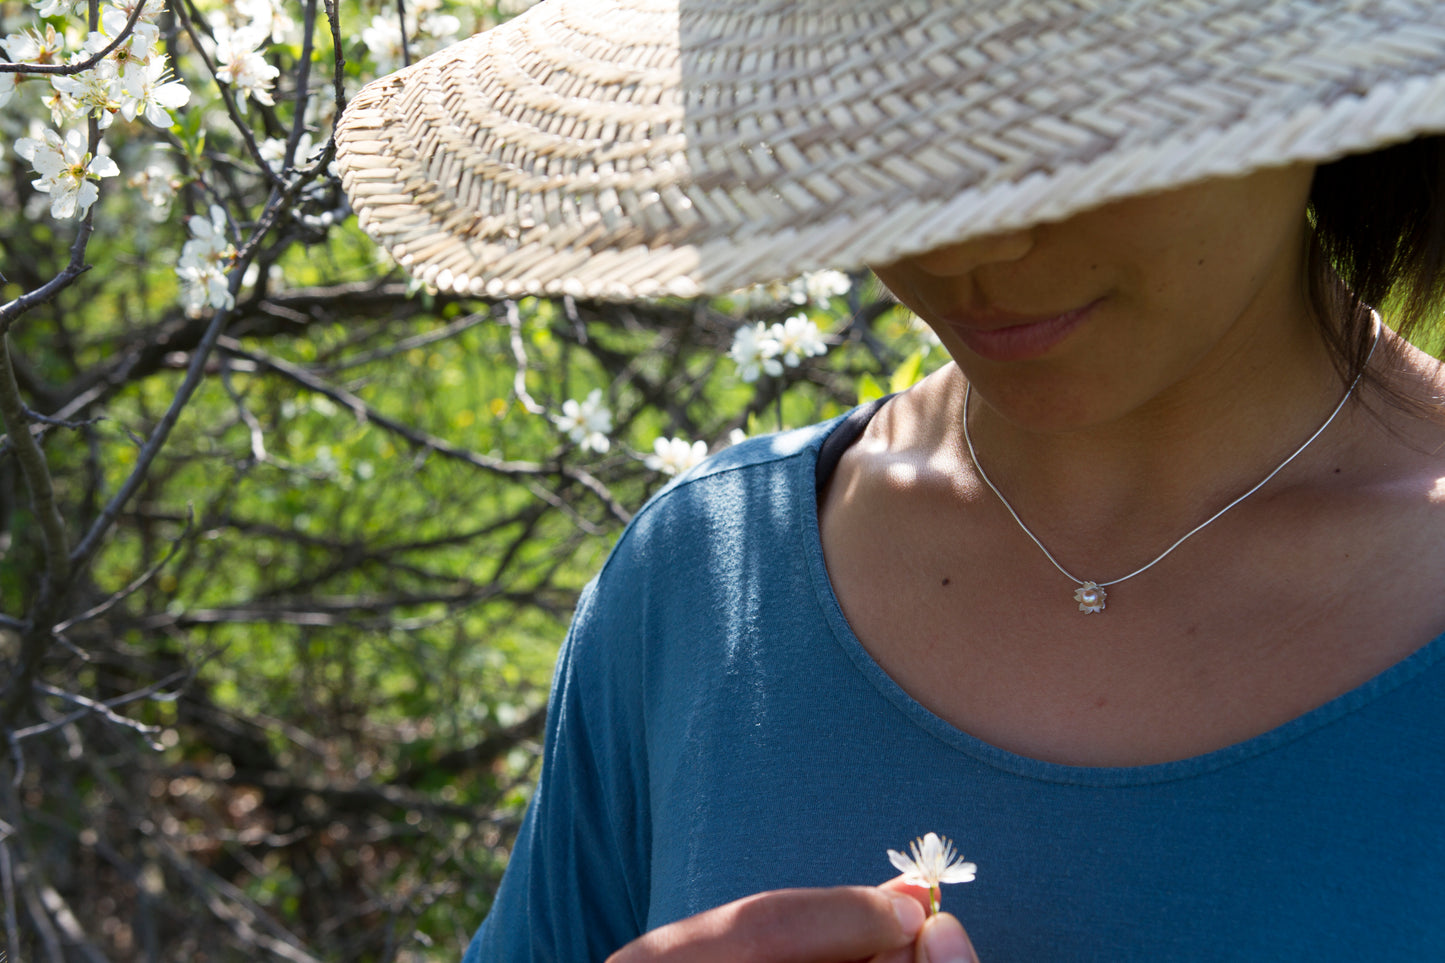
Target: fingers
787, 926
897, 885
944, 941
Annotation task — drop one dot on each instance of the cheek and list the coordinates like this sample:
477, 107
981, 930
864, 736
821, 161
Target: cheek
1215, 238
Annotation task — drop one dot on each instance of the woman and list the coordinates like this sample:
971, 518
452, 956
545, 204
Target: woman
1137, 600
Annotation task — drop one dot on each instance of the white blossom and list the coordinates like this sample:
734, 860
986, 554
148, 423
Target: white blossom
152, 92
442, 28
7, 88
45, 9
817, 288
673, 456
273, 150
266, 18
762, 296
117, 14
933, 862
62, 108
586, 422
240, 63
798, 338
208, 237
96, 91
67, 171
141, 46
426, 33
157, 185
383, 42
755, 350
202, 285
203, 264
820, 287
29, 46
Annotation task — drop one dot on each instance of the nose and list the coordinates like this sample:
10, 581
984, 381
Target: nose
952, 260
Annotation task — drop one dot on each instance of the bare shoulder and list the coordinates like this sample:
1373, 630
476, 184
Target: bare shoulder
911, 443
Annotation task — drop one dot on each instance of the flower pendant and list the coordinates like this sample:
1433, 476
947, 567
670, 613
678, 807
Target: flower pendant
1090, 597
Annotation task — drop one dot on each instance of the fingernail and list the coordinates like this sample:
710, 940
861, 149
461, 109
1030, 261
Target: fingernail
910, 914
944, 941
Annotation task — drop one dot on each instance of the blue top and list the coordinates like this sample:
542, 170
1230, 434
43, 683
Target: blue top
716, 730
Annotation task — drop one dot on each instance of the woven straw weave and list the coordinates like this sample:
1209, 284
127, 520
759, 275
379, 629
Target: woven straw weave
638, 148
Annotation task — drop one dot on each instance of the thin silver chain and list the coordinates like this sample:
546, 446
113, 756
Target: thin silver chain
1193, 531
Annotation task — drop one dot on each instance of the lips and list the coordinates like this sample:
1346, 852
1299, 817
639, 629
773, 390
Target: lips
1005, 336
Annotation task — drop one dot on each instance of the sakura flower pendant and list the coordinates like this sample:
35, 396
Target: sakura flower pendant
1090, 597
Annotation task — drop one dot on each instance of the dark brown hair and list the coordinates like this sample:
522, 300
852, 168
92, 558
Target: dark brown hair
1379, 236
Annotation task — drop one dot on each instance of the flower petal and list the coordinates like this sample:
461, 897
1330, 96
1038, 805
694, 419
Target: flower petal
959, 872
902, 863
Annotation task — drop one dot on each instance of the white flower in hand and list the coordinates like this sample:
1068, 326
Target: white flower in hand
934, 861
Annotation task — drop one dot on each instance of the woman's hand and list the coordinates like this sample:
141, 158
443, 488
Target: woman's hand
882, 924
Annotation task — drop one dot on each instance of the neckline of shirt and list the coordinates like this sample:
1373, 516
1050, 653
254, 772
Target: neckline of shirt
804, 465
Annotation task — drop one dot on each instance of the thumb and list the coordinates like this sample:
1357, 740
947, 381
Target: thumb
944, 941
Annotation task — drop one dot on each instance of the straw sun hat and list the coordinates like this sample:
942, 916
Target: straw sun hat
640, 148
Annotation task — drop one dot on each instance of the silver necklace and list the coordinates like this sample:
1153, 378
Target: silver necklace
1090, 594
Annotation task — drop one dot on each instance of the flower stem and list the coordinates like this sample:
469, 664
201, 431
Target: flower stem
935, 893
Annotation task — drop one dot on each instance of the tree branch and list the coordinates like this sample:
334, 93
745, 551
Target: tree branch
423, 439
35, 469
82, 65
88, 546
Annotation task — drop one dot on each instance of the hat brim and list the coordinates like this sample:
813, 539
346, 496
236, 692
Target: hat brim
641, 148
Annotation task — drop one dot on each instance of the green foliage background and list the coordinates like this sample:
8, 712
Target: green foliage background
291, 706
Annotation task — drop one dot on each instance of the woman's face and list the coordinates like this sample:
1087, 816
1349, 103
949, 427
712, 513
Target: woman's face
1079, 322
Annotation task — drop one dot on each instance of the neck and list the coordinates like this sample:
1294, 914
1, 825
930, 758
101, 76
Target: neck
1119, 490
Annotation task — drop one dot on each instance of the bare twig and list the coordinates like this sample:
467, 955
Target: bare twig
232, 906
52, 531
422, 439
12, 310
99, 708
253, 424
40, 919
417, 341
80, 66
401, 26
338, 71
195, 373
227, 95
104, 709
7, 884
33, 415
135, 585
64, 919
519, 353
303, 78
